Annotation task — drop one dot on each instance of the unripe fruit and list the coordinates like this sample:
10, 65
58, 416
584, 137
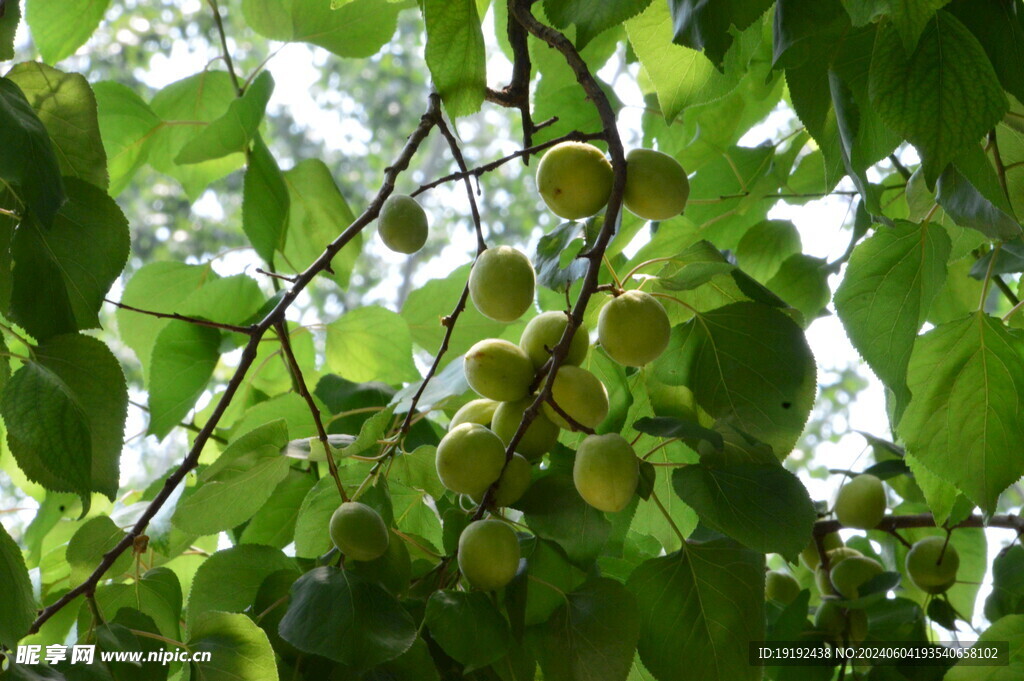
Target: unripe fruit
850, 574
656, 185
579, 394
542, 334
469, 458
359, 532
633, 328
835, 556
402, 224
539, 437
498, 370
809, 556
574, 179
606, 471
502, 283
512, 484
781, 587
861, 502
839, 623
926, 570
488, 554
475, 411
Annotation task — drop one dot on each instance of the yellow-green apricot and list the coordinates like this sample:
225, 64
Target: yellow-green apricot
488, 554
656, 185
469, 458
358, 531
781, 587
574, 179
850, 574
498, 370
502, 283
475, 411
634, 328
542, 334
539, 437
809, 556
931, 568
581, 395
402, 224
606, 471
835, 556
861, 502
512, 484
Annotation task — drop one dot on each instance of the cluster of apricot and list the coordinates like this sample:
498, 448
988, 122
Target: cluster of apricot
575, 180
931, 563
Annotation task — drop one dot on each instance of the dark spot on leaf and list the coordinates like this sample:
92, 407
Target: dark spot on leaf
787, 405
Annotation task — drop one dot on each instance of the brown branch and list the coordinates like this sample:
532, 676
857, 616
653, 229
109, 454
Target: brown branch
453, 144
247, 330
249, 352
573, 423
517, 93
275, 275
892, 523
303, 390
239, 90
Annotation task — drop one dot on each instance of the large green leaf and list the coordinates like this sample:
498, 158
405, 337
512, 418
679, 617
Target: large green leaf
19, 603
60, 27
230, 579
157, 594
1009, 629
885, 295
265, 202
682, 76
233, 131
999, 27
707, 26
184, 357
29, 162
455, 54
759, 504
970, 192
921, 94
1007, 597
93, 539
964, 421
592, 18
62, 274
748, 363
363, 627
700, 608
371, 344
356, 29
67, 107
910, 17
127, 125
592, 636
274, 524
238, 648
468, 627
65, 412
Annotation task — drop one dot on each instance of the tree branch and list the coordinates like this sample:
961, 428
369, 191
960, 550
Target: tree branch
247, 330
517, 93
898, 522
239, 90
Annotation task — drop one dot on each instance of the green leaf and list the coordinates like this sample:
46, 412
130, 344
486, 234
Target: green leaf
157, 594
356, 29
86, 548
231, 300
682, 76
1007, 597
921, 94
885, 295
127, 126
664, 426
468, 627
314, 516
230, 579
749, 363
29, 163
963, 421
364, 626
233, 131
765, 246
159, 287
237, 484
969, 191
761, 505
545, 561
19, 603
910, 18
184, 357
999, 27
697, 265
59, 28
62, 274
318, 214
592, 636
238, 649
802, 281
748, 174
265, 202
274, 524
551, 249
455, 54
371, 344
65, 412
706, 25
591, 18
801, 24
8, 27
187, 107
1009, 629
67, 107
700, 608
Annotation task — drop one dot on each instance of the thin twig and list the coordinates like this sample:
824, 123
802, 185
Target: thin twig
453, 144
239, 91
247, 330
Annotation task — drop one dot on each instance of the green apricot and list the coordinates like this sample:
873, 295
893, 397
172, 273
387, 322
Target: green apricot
574, 179
469, 458
402, 224
488, 554
930, 568
656, 185
633, 328
780, 587
475, 411
359, 532
835, 556
606, 471
849, 574
512, 484
581, 395
809, 556
861, 502
539, 437
498, 370
542, 334
839, 623
502, 283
